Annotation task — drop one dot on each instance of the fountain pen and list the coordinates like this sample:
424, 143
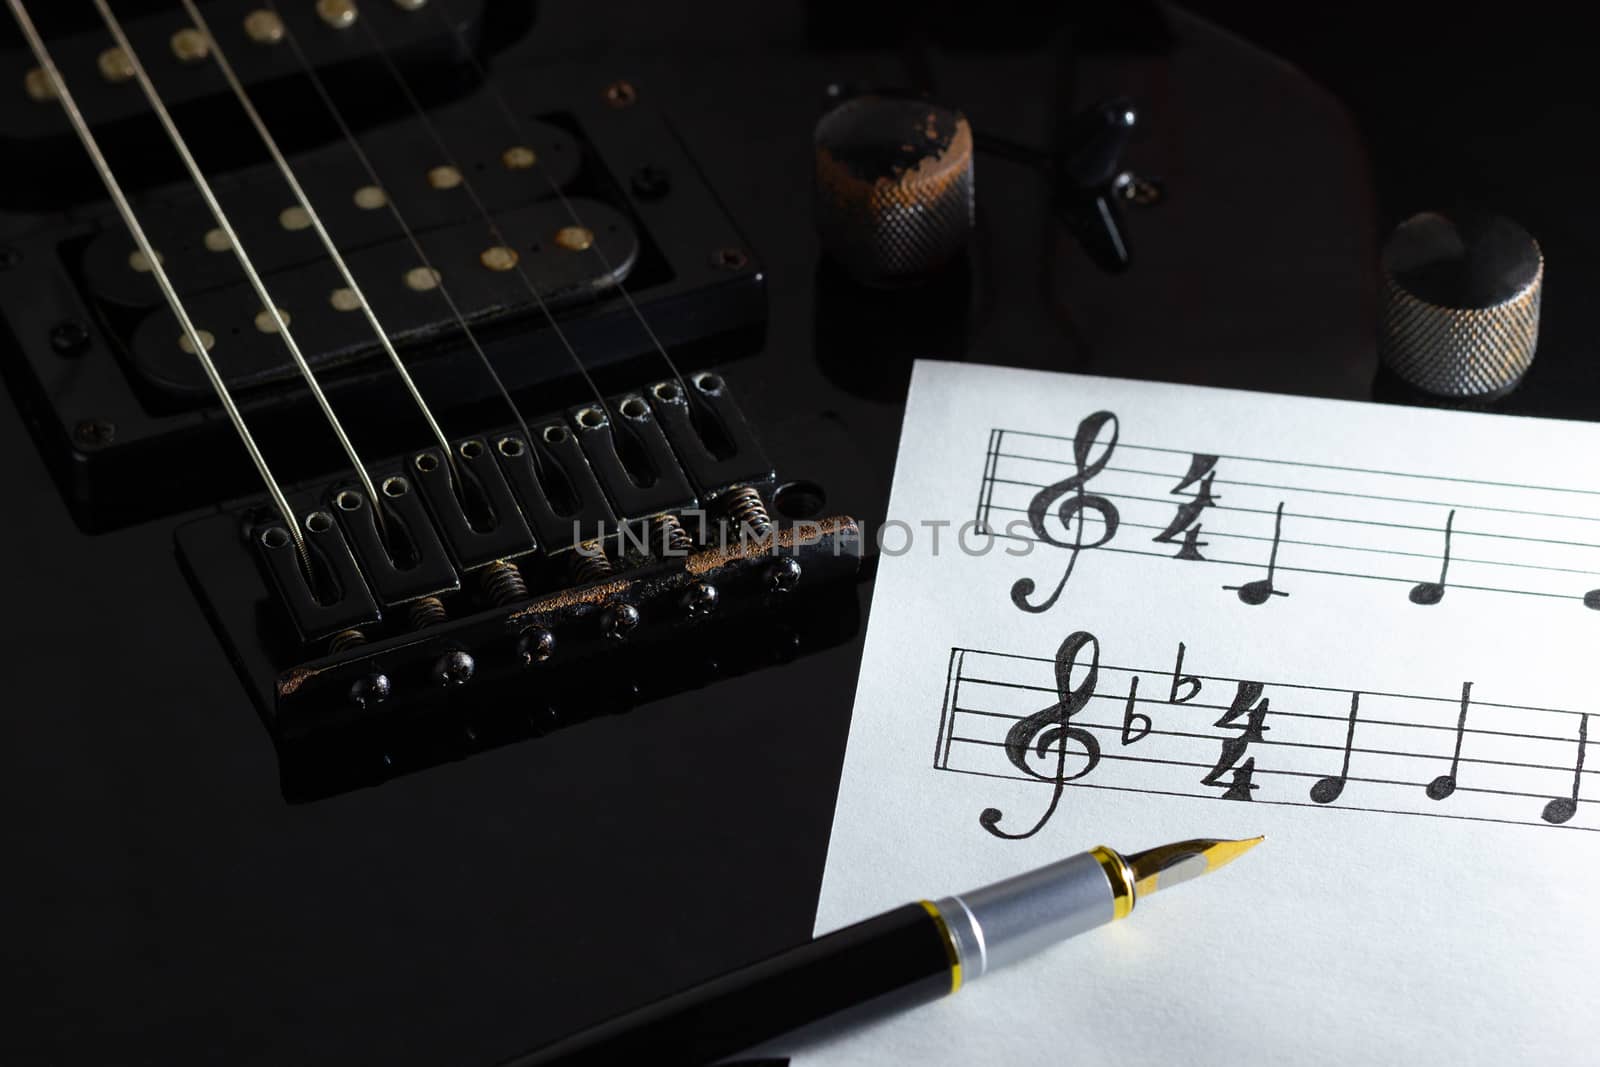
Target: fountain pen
888, 963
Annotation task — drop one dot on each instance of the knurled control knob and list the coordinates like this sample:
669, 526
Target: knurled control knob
1460, 314
894, 197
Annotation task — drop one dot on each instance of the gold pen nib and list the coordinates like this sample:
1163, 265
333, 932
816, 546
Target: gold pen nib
1167, 865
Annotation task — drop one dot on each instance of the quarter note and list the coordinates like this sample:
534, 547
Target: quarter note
1433, 592
1445, 784
1561, 809
1258, 591
1327, 790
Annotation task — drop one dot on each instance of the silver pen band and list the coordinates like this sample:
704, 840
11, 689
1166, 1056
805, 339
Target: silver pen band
1007, 921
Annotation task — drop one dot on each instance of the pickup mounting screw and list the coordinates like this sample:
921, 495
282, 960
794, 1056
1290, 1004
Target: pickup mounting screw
455, 668
730, 259
650, 183
69, 337
620, 94
619, 620
94, 433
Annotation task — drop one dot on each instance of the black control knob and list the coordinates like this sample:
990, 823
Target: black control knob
894, 197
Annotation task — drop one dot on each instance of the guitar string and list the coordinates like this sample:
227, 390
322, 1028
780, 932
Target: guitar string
520, 133
426, 262
124, 208
159, 107
477, 201
243, 96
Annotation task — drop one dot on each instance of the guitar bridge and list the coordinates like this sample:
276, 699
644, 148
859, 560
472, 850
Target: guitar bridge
546, 556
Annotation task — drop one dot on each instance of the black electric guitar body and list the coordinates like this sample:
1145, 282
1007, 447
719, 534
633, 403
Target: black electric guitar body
538, 713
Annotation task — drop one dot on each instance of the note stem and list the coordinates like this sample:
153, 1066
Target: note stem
1327, 790
1433, 592
1445, 784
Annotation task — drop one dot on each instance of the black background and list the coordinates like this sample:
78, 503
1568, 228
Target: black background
165, 902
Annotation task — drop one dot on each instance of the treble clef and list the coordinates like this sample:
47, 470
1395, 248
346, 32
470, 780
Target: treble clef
1036, 734
1071, 506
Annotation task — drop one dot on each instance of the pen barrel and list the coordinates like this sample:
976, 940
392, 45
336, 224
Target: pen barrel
1006, 921
877, 967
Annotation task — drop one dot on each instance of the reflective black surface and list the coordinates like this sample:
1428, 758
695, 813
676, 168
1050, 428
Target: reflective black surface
168, 904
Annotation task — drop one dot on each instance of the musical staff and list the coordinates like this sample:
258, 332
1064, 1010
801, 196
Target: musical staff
1079, 721
1328, 521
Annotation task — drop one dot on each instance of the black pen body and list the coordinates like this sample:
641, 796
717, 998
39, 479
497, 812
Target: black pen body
882, 965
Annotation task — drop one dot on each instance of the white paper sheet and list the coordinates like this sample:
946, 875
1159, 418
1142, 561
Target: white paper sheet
1437, 907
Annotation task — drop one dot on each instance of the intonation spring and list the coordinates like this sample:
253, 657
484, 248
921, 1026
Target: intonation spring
668, 535
744, 509
503, 583
426, 611
345, 640
590, 563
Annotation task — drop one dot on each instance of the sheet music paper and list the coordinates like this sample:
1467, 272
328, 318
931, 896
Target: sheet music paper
1367, 632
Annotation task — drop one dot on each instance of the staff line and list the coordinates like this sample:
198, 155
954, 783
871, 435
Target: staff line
1276, 712
1325, 466
1212, 531
1170, 500
1354, 749
1174, 476
1454, 699
1313, 570
1258, 769
1080, 784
